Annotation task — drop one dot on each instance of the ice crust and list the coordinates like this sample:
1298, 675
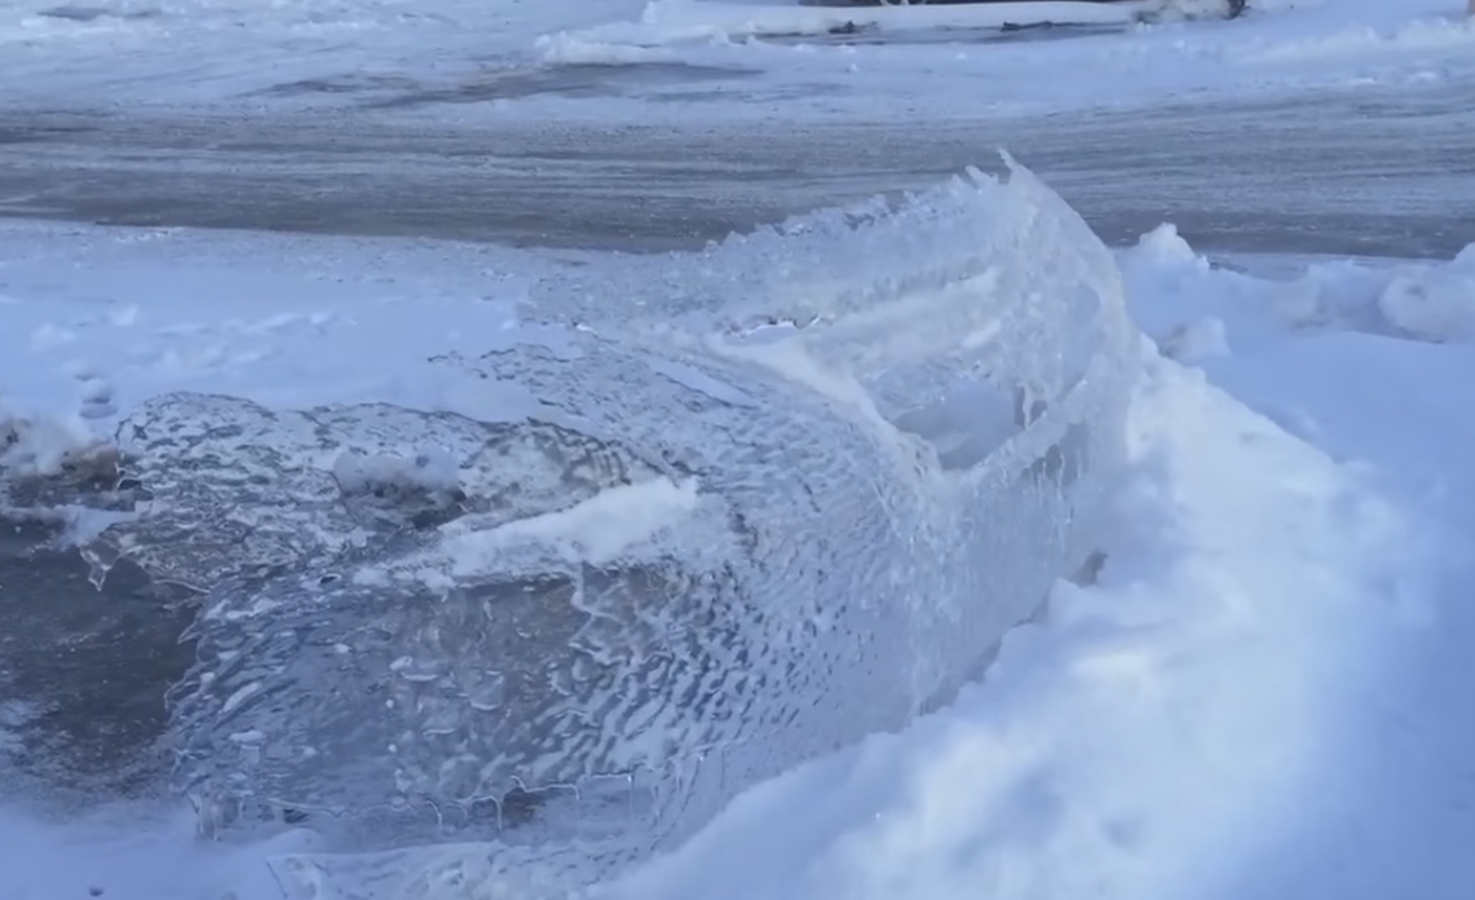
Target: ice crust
776, 496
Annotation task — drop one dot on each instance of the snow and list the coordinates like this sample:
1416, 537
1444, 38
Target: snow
675, 21
1437, 306
125, 853
432, 469
1152, 738
758, 60
1420, 300
597, 530
1225, 712
41, 446
156, 310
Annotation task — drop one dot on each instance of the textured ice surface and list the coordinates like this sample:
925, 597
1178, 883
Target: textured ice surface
775, 496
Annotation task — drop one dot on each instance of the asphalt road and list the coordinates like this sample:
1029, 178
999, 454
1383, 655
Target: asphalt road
1385, 171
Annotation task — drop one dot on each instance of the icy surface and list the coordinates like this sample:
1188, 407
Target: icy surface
707, 649
751, 514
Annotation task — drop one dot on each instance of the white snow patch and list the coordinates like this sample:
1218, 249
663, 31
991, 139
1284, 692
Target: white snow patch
1436, 304
597, 530
1181, 291
431, 469
241, 695
679, 21
566, 49
44, 446
50, 337
1196, 341
1361, 40
131, 852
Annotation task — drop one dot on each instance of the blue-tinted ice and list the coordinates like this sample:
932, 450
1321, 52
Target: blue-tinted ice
761, 501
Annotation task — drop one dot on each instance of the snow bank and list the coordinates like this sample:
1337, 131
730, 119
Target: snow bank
229, 51
1261, 692
1427, 301
258, 55
1165, 732
1363, 41
1434, 303
677, 21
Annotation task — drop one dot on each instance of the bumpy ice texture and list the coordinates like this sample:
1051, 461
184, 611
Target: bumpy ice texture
781, 494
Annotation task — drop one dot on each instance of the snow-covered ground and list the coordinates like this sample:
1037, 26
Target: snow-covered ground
1262, 693
695, 58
